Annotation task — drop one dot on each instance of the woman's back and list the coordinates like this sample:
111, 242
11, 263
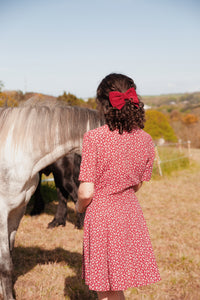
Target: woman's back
118, 161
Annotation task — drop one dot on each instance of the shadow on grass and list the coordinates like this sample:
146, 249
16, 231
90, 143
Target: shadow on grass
25, 259
51, 208
75, 289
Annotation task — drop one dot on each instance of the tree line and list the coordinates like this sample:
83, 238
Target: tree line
168, 119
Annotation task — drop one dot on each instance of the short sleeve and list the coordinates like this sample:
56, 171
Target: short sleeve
150, 160
88, 162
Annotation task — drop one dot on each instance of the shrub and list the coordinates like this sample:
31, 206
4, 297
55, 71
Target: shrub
157, 126
71, 99
7, 100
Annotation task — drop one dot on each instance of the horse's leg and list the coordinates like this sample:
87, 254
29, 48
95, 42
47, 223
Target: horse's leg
76, 170
61, 213
62, 171
5, 259
39, 203
14, 219
71, 184
66, 172
73, 192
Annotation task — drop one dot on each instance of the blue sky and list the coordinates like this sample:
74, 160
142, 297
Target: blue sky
54, 46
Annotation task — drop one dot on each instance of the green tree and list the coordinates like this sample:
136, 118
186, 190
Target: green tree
157, 125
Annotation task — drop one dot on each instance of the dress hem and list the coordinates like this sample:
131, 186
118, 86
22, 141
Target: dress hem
122, 288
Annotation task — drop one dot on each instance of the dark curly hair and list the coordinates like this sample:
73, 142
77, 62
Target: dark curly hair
130, 116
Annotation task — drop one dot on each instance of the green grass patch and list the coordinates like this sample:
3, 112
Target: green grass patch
171, 160
48, 190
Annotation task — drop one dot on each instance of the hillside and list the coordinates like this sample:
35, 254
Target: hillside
182, 110
184, 100
183, 113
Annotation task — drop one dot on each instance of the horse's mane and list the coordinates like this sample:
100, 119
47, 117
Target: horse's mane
41, 128
42, 101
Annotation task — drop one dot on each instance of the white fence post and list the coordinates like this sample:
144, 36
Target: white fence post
189, 149
158, 160
180, 145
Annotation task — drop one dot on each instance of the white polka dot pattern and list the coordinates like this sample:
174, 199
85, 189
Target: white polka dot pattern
117, 250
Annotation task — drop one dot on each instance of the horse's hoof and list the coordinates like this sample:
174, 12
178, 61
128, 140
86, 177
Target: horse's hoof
56, 223
78, 225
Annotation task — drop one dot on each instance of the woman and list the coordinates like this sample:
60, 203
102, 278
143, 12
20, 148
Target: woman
116, 159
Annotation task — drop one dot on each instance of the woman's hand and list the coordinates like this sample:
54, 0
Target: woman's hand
85, 194
78, 208
137, 186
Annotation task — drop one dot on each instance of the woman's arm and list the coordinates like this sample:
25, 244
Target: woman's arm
85, 195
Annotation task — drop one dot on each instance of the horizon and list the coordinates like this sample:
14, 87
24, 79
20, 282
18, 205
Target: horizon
86, 98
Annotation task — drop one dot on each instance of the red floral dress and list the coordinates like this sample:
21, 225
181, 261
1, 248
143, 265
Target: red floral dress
117, 252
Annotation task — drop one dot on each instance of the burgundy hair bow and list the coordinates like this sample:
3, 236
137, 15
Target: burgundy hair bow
117, 99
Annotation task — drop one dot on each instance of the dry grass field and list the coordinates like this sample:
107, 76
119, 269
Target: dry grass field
47, 263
